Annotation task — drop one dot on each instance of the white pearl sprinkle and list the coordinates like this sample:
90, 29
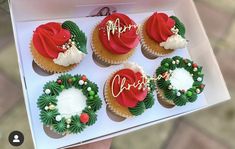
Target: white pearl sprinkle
85, 83
89, 89
170, 87
68, 126
68, 121
178, 94
177, 61
198, 91
173, 62
194, 69
189, 64
46, 108
47, 91
149, 88
81, 82
58, 118
199, 79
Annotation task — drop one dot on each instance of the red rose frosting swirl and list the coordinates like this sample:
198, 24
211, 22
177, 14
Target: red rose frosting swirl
159, 27
48, 39
119, 43
128, 87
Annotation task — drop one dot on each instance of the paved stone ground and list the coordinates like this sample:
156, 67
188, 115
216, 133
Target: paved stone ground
215, 125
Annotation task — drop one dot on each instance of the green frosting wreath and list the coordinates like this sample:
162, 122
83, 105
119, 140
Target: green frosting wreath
47, 103
78, 36
179, 97
148, 102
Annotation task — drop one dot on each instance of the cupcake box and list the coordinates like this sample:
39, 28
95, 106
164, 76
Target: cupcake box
26, 17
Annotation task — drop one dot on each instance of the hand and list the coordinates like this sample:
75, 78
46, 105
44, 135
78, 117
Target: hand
104, 144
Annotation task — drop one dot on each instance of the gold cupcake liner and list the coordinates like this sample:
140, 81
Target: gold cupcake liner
103, 55
48, 64
150, 46
112, 104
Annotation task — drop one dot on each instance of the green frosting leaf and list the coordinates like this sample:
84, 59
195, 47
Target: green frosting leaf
160, 83
161, 70
92, 116
76, 82
60, 127
138, 110
48, 117
170, 94
191, 95
54, 88
79, 36
149, 100
94, 102
181, 63
179, 25
44, 100
181, 100
76, 126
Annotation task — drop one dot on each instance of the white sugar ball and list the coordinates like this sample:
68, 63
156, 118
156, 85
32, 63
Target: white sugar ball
189, 64
178, 94
89, 89
199, 79
47, 91
177, 61
46, 108
198, 91
68, 126
81, 82
58, 118
173, 62
194, 69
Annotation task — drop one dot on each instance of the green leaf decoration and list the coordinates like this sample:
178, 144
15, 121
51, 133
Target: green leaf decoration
79, 36
161, 70
180, 26
60, 127
170, 94
181, 100
92, 116
44, 100
149, 101
94, 102
76, 126
65, 80
160, 83
76, 82
138, 110
152, 85
53, 87
191, 95
48, 117
166, 62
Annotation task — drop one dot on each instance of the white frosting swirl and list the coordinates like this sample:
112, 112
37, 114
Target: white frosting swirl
135, 67
69, 57
174, 42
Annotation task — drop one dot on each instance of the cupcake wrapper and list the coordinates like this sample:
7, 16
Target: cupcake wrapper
163, 101
105, 56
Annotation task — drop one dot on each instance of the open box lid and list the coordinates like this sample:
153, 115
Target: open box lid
216, 90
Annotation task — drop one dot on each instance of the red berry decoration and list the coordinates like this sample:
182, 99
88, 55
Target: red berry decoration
84, 118
195, 65
183, 91
202, 86
84, 78
59, 81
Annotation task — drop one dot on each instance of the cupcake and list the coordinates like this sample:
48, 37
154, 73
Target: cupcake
69, 104
161, 35
114, 39
58, 47
129, 92
179, 81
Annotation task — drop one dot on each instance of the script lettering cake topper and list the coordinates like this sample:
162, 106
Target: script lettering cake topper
141, 84
113, 27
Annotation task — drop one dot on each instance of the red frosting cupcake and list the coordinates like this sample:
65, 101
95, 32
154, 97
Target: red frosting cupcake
56, 47
114, 39
128, 92
161, 34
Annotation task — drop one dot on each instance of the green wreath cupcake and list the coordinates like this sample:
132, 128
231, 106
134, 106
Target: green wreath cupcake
129, 91
179, 81
69, 104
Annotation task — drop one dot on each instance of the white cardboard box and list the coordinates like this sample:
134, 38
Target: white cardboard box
27, 15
